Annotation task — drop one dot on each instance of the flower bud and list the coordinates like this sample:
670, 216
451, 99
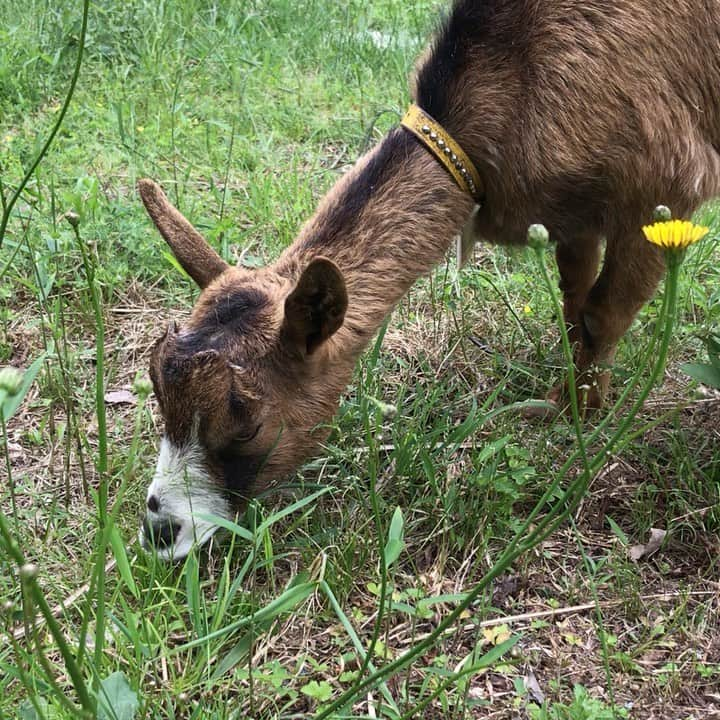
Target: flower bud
73, 218
662, 214
538, 237
142, 387
388, 410
28, 571
10, 380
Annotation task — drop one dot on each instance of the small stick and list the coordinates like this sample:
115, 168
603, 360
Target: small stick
662, 597
371, 705
570, 610
701, 511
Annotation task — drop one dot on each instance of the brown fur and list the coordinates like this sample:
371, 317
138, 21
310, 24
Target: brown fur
581, 115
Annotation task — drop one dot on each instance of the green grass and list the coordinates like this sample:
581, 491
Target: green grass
247, 113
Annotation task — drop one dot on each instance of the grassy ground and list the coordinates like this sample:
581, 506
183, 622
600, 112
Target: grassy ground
247, 112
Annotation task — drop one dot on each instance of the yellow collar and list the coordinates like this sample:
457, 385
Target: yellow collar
445, 149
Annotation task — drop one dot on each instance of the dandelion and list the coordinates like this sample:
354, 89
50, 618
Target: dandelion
674, 237
674, 234
527, 310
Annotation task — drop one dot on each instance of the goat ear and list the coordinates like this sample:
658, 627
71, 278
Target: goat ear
315, 309
191, 249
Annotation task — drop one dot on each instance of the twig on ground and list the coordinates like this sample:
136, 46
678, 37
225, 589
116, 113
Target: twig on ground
569, 610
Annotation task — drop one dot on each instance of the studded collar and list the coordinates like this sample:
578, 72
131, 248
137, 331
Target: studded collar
439, 142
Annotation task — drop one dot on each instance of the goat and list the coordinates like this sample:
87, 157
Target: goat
580, 115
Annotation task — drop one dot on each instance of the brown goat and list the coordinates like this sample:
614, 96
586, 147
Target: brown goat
580, 115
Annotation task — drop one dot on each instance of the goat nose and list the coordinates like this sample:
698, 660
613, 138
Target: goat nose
160, 533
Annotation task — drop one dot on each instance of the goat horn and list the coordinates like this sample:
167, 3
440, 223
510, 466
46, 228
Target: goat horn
191, 249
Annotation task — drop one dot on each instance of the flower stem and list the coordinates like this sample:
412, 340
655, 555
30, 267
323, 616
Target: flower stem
8, 466
101, 464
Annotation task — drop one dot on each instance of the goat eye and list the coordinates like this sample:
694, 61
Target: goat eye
246, 437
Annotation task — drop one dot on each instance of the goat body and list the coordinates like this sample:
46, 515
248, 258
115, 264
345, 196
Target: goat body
581, 115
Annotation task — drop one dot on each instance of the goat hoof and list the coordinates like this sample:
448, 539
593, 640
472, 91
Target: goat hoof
589, 398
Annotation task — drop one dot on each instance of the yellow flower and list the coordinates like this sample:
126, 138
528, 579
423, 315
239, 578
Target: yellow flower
527, 310
674, 234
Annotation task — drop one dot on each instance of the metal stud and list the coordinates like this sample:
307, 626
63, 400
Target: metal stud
425, 129
447, 151
453, 157
433, 136
441, 143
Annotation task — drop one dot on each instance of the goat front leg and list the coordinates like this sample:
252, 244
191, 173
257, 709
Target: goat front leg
631, 272
578, 265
